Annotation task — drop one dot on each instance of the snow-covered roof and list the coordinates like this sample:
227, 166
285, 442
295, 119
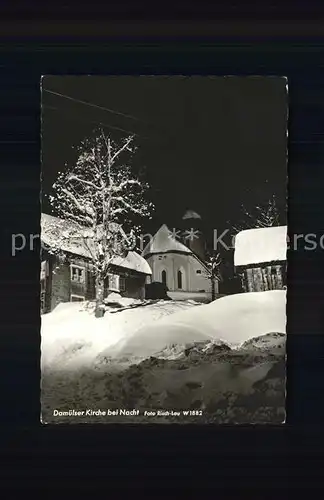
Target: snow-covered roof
164, 241
133, 261
191, 214
54, 228
256, 246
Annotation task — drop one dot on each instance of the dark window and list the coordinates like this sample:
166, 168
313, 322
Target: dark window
180, 279
198, 271
122, 284
164, 277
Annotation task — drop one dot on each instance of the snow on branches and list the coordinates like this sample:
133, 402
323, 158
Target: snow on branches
266, 215
97, 194
213, 263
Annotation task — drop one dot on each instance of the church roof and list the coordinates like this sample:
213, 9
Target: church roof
191, 214
163, 241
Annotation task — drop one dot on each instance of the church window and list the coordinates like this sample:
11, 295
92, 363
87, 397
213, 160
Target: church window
164, 277
179, 279
198, 271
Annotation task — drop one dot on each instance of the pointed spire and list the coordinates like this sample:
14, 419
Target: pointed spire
191, 214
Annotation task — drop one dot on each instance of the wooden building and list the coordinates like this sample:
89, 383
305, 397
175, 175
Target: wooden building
73, 279
260, 258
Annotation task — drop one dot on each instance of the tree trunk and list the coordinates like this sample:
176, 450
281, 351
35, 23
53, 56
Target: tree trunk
213, 289
99, 297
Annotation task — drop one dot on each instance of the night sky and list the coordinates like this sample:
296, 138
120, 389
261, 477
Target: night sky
209, 144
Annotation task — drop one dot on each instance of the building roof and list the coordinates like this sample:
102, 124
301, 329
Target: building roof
191, 214
256, 246
133, 261
56, 231
163, 241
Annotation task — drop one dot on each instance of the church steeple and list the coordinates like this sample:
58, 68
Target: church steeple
191, 214
193, 235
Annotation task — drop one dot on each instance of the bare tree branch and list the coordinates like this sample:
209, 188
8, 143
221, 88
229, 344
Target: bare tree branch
82, 181
123, 148
86, 196
263, 216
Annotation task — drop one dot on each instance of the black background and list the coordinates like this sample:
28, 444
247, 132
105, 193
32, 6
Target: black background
271, 458
208, 144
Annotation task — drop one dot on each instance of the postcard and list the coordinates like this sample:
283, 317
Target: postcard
163, 270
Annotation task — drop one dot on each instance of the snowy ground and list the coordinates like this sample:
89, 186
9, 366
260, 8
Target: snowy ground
203, 297
218, 360
72, 337
232, 319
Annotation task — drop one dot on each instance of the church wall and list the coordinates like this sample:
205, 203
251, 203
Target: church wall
199, 281
171, 263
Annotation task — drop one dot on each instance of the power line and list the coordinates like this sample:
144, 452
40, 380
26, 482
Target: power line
96, 122
92, 105
109, 110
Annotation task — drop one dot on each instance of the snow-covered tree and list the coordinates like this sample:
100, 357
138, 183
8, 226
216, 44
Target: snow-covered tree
266, 215
213, 263
95, 196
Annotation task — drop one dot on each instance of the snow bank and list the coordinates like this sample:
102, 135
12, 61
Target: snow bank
117, 299
255, 246
240, 385
72, 337
233, 319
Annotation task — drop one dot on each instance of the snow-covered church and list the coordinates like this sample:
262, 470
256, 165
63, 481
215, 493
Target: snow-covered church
177, 260
166, 259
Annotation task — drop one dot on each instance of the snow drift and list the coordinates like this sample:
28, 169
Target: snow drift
71, 336
233, 319
226, 360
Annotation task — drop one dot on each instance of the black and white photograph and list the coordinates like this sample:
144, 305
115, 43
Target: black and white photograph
163, 273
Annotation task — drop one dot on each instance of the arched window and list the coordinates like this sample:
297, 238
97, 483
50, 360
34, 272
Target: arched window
164, 277
180, 279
